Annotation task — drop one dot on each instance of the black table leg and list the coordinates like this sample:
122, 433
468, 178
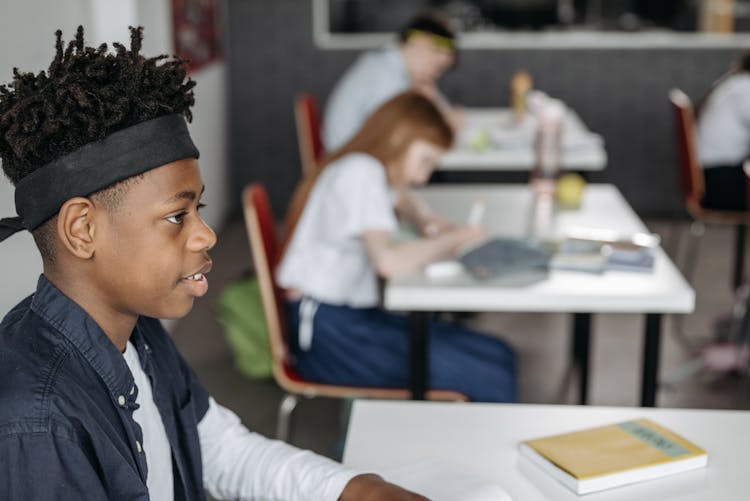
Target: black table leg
739, 256
651, 346
419, 322
581, 342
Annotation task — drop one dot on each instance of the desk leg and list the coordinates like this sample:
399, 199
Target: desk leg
581, 343
738, 273
419, 322
651, 346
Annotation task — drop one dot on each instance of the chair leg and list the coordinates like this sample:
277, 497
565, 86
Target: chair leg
346, 411
696, 231
695, 363
739, 256
284, 420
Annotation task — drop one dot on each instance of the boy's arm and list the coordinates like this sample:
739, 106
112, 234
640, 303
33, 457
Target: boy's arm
45, 467
238, 464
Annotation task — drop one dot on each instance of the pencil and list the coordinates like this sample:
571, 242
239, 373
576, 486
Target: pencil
476, 213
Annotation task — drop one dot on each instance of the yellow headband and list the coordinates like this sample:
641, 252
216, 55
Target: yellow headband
442, 42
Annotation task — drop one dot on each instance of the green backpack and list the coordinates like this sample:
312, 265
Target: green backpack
240, 311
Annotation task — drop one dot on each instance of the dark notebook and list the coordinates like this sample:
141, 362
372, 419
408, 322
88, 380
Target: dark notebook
506, 256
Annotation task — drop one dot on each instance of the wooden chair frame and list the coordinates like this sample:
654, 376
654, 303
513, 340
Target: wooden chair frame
308, 123
691, 176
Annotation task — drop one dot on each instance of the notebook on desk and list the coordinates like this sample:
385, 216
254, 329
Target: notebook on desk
507, 257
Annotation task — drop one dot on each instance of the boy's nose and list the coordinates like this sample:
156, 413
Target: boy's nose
204, 237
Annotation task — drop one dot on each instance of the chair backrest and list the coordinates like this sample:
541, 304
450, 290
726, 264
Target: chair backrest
307, 118
690, 171
261, 231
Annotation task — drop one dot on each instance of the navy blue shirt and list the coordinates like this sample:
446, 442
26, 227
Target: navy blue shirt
66, 406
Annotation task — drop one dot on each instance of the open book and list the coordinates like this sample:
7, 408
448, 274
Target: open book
600, 458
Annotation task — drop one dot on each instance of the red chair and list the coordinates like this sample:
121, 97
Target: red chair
265, 249
691, 176
307, 119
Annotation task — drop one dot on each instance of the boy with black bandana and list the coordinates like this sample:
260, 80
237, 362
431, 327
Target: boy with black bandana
95, 400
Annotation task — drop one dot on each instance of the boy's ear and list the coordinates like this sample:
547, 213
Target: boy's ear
75, 226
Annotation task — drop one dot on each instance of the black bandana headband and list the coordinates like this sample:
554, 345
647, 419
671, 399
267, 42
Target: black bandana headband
95, 166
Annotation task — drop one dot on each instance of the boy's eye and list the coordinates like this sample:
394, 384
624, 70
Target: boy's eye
177, 218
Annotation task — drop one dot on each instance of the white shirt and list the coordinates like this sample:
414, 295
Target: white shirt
155, 442
724, 123
237, 464
326, 258
374, 78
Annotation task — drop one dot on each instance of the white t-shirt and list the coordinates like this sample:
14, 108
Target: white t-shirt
326, 258
155, 442
724, 123
374, 78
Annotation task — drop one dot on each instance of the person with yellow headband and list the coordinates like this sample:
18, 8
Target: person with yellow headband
425, 51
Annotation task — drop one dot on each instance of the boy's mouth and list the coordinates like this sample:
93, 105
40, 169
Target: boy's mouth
197, 282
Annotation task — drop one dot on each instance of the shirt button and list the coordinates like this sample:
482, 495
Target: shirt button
121, 401
138, 446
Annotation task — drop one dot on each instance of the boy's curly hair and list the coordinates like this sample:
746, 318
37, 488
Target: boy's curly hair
85, 95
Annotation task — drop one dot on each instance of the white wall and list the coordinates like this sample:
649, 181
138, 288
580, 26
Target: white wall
27, 30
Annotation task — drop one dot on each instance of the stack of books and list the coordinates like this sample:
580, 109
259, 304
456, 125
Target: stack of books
598, 255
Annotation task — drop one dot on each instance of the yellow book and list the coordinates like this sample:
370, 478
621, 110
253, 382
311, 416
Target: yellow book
600, 458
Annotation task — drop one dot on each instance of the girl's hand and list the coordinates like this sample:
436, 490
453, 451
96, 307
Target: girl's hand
465, 236
435, 225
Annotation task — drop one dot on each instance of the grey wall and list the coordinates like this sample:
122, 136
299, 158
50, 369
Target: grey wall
621, 94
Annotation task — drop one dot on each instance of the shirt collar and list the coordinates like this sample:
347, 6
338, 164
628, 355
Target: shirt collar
83, 333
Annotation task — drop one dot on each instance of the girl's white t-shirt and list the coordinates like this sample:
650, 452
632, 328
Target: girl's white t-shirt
724, 123
326, 258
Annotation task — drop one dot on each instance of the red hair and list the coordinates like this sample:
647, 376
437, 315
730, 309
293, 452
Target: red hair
385, 135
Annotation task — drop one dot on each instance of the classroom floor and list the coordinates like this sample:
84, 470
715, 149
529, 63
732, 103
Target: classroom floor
541, 341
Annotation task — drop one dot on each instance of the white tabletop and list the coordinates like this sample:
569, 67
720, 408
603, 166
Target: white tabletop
508, 213
510, 146
483, 439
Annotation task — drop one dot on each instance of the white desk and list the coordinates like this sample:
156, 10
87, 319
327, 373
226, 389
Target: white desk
507, 213
513, 145
483, 439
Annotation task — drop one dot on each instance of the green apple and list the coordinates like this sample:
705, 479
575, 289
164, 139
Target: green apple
481, 141
570, 190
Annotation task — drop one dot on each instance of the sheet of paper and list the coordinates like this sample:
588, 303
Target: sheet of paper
441, 481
